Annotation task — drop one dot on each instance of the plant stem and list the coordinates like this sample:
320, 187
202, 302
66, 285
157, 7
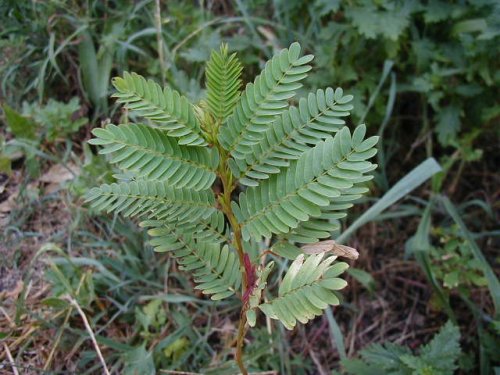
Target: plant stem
225, 201
240, 341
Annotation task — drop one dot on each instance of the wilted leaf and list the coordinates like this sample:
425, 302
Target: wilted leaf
57, 175
331, 245
8, 204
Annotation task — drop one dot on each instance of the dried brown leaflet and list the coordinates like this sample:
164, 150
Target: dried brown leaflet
330, 245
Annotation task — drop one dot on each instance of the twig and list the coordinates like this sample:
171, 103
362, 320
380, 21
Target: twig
410, 316
25, 335
58, 339
61, 329
91, 333
11, 360
7, 317
354, 331
316, 361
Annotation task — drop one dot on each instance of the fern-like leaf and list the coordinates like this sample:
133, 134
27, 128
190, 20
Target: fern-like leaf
152, 199
166, 107
153, 155
317, 228
208, 229
313, 230
166, 233
317, 117
321, 177
307, 232
306, 290
212, 229
223, 80
215, 270
263, 100
283, 247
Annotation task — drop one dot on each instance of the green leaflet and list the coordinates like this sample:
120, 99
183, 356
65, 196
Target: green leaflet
166, 107
322, 179
309, 287
317, 228
153, 155
223, 80
284, 248
215, 270
317, 117
263, 100
313, 230
208, 229
152, 199
212, 228
307, 232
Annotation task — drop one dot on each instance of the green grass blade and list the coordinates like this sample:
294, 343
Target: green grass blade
338, 338
89, 66
388, 64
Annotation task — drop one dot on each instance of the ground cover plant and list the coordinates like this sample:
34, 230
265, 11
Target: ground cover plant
82, 291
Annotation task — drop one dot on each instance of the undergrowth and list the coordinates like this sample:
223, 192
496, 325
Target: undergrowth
423, 76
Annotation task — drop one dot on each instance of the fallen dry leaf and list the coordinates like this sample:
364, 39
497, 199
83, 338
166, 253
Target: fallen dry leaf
14, 292
331, 245
8, 204
58, 174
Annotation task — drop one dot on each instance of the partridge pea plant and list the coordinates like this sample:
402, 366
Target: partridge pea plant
238, 176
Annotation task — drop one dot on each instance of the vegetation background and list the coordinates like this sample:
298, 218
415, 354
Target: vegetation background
423, 297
